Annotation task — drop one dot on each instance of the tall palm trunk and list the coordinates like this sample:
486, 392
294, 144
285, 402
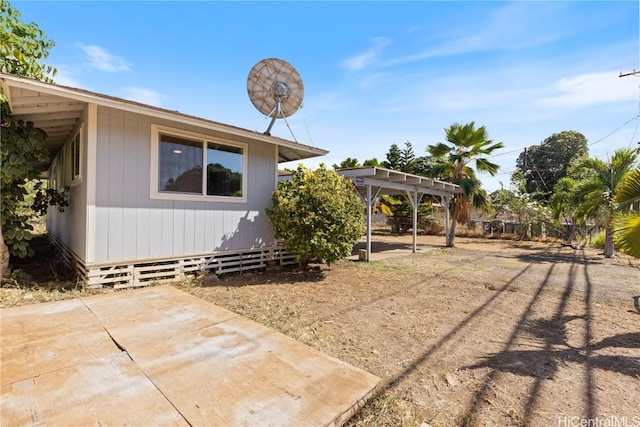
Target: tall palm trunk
452, 233
609, 251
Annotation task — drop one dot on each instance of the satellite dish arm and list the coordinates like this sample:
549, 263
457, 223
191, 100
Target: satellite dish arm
276, 113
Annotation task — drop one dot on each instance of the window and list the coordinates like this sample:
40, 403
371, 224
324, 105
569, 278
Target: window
53, 175
75, 158
191, 167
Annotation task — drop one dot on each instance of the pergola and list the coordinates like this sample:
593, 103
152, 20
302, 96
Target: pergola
374, 181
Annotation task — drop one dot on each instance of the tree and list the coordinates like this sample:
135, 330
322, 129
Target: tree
424, 164
627, 225
562, 202
521, 207
23, 50
22, 144
347, 163
466, 144
563, 209
400, 160
371, 162
23, 47
393, 158
318, 214
407, 158
595, 194
545, 164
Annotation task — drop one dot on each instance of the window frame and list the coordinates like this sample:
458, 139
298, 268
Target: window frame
157, 130
76, 176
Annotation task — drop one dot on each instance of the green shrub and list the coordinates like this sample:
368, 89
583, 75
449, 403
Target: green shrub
317, 214
597, 241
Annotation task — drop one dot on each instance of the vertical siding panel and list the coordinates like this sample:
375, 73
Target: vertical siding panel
199, 228
178, 228
211, 244
129, 188
155, 231
116, 183
189, 228
227, 224
166, 230
102, 187
143, 214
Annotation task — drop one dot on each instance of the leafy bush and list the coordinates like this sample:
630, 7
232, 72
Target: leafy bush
318, 214
22, 145
597, 241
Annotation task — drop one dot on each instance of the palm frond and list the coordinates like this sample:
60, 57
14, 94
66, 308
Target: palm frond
484, 165
439, 150
627, 234
482, 202
467, 185
628, 192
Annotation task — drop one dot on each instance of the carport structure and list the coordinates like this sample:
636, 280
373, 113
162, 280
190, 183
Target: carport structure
374, 181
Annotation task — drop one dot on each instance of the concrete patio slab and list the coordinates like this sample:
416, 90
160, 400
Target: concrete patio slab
159, 356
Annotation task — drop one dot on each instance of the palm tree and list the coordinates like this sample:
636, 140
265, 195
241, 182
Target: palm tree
627, 227
594, 195
466, 144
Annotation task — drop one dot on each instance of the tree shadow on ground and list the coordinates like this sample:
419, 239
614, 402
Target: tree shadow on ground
543, 363
538, 256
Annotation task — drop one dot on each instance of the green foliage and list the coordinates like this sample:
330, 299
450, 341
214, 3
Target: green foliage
424, 164
544, 165
22, 144
347, 163
598, 240
393, 158
595, 190
407, 158
466, 144
627, 223
371, 162
400, 211
23, 47
318, 214
401, 160
522, 208
45, 197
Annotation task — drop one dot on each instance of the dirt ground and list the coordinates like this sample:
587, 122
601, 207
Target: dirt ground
489, 333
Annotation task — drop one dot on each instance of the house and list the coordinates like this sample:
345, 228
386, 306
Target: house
153, 193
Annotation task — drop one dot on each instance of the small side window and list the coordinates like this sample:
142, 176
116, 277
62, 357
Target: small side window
76, 147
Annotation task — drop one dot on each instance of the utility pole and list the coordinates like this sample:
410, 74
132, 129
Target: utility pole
632, 73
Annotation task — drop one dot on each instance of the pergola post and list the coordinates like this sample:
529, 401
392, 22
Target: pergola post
369, 203
446, 220
369, 197
413, 197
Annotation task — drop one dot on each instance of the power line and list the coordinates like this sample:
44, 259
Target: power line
616, 130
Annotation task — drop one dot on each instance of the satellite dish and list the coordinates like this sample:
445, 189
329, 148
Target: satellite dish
275, 89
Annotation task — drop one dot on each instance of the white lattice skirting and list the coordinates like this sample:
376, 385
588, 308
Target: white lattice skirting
129, 274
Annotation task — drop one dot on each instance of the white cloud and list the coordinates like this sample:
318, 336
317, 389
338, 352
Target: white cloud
145, 96
511, 27
591, 88
366, 58
102, 60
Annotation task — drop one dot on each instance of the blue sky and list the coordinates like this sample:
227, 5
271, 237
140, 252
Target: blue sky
375, 73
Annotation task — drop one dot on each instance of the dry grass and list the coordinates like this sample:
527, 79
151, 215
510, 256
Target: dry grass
491, 332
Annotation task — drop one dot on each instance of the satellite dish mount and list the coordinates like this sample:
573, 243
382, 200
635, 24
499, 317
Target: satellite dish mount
275, 89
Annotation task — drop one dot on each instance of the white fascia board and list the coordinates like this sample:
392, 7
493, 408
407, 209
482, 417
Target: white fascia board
147, 110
